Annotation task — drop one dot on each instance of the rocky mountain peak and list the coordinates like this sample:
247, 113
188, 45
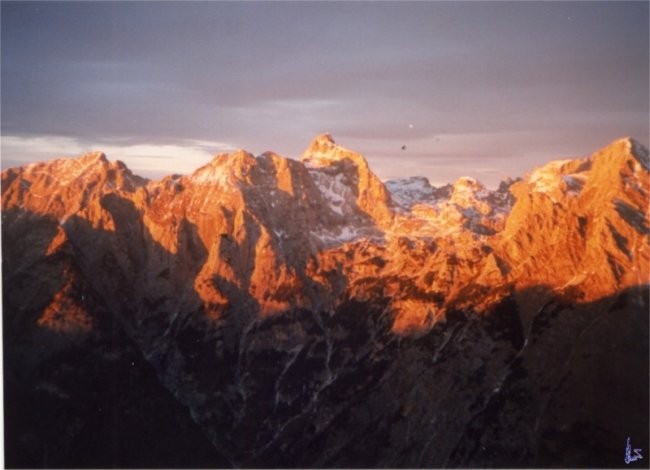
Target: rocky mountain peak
322, 143
618, 155
323, 151
225, 166
337, 170
467, 192
465, 185
96, 156
65, 186
467, 182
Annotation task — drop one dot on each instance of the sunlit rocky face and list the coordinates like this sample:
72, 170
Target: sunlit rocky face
327, 317
264, 225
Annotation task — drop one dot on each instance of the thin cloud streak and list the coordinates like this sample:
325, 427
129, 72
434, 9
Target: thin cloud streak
149, 160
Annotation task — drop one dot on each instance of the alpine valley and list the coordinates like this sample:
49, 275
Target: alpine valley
270, 312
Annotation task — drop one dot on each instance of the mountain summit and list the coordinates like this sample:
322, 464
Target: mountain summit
304, 313
322, 145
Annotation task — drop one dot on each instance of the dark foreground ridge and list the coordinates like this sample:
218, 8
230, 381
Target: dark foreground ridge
474, 391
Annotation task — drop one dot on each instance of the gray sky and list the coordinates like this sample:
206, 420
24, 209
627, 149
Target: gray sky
484, 89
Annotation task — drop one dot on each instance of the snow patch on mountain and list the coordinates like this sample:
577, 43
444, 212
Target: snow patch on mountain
333, 190
408, 191
337, 235
574, 183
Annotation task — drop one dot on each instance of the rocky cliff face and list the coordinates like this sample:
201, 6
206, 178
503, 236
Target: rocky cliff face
264, 311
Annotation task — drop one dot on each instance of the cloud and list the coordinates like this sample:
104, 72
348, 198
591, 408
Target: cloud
17, 150
270, 77
148, 159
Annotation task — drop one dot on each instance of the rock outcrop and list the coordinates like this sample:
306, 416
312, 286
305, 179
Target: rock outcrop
303, 313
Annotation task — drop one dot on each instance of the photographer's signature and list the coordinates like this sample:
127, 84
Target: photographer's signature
628, 453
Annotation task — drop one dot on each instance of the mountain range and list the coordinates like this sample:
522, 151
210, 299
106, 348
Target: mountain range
271, 312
